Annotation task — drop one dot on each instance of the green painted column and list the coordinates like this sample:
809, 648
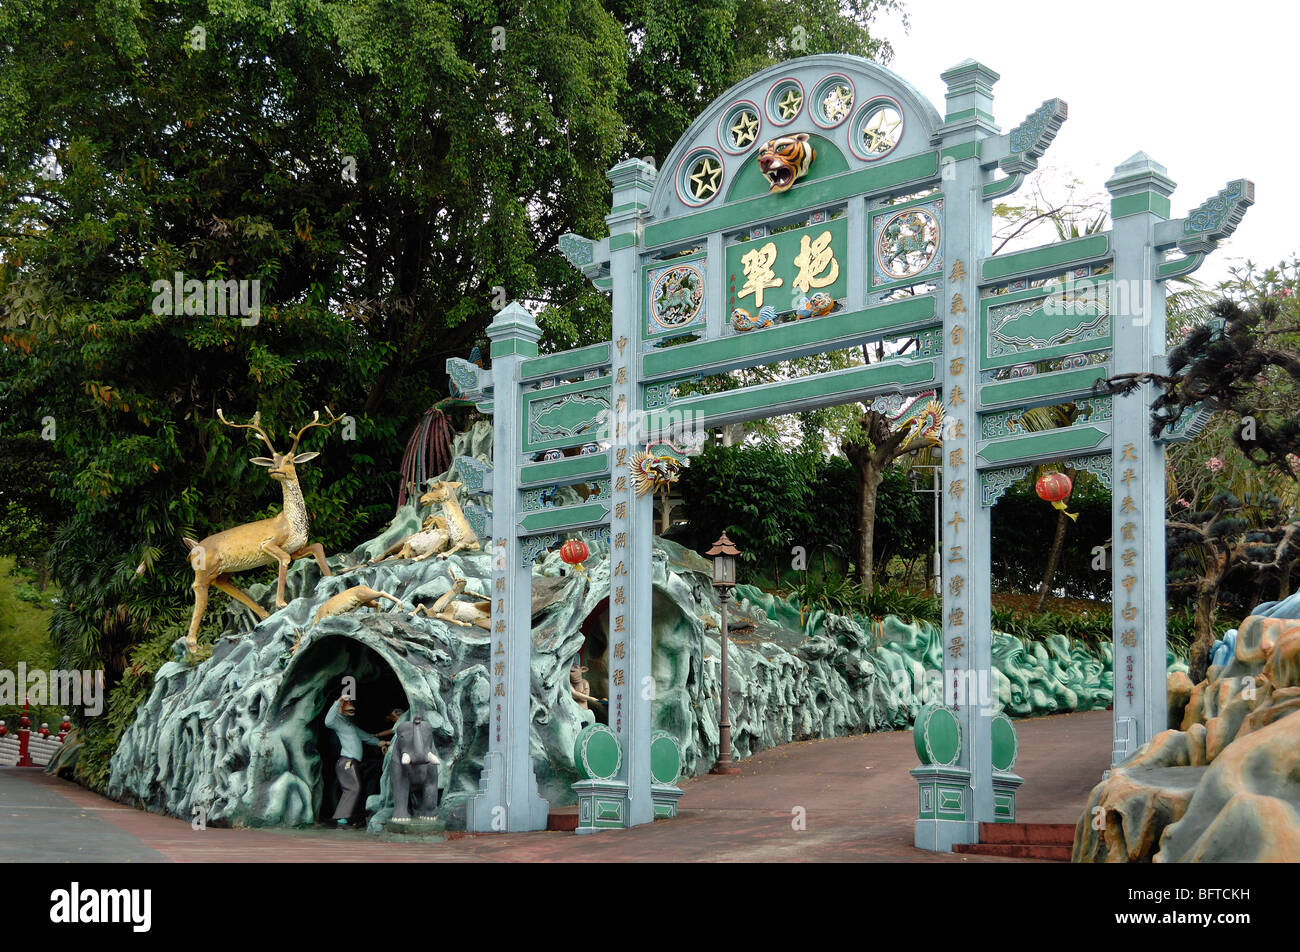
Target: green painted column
1140, 192
631, 524
508, 800
965, 565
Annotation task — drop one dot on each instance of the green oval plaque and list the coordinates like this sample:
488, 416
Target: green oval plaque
596, 753
1005, 746
937, 736
665, 758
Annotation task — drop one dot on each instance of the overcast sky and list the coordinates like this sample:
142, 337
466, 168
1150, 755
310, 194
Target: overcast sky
1208, 90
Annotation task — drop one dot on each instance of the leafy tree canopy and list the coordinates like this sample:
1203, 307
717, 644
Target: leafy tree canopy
386, 173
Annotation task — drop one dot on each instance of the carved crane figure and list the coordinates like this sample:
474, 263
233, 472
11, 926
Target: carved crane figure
282, 538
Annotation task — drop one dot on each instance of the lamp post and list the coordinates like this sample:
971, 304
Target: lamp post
934, 490
724, 554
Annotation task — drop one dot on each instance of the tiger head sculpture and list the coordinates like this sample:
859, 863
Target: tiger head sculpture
785, 160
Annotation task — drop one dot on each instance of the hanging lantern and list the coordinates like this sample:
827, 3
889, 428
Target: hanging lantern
575, 552
1056, 488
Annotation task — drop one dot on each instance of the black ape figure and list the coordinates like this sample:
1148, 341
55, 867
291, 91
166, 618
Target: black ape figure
413, 768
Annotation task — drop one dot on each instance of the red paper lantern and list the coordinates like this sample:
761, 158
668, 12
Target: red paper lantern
1053, 487
575, 552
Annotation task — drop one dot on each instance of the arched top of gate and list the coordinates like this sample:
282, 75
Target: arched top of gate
855, 112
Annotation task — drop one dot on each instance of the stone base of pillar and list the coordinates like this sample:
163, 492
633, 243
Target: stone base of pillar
486, 811
665, 799
945, 816
1005, 785
1125, 740
602, 805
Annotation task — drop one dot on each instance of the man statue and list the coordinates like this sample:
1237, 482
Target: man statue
341, 719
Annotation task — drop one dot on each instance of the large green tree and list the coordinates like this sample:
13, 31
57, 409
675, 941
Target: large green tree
387, 173
379, 170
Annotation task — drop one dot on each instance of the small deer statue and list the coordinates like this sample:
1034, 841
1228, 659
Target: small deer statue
281, 538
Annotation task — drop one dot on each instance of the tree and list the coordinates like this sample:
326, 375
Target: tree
1226, 518
1209, 542
1037, 419
1244, 360
378, 185
28, 514
684, 53
385, 188
872, 448
762, 496
1017, 541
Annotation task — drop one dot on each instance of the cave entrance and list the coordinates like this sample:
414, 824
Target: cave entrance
318, 681
594, 656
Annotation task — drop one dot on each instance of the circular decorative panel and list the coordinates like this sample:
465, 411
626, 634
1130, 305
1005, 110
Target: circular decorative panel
936, 735
739, 127
700, 177
676, 297
1005, 746
877, 130
832, 100
665, 758
785, 102
596, 752
907, 244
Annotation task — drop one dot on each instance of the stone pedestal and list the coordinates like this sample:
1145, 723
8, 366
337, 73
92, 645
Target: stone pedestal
1005, 785
665, 799
602, 805
944, 817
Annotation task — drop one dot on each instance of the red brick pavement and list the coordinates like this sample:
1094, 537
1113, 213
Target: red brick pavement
857, 799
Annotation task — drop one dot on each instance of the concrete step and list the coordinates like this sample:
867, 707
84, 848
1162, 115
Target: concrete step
1028, 834
1016, 850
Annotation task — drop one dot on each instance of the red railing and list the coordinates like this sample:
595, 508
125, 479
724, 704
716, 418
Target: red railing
24, 736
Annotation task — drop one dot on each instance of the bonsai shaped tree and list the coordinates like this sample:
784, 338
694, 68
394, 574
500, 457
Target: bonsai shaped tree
1245, 362
1207, 543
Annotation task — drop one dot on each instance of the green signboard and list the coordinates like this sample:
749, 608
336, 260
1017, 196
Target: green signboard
784, 269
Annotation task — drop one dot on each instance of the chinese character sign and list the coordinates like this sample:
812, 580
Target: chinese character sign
778, 271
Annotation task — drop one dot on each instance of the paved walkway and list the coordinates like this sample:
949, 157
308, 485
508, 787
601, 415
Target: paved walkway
858, 801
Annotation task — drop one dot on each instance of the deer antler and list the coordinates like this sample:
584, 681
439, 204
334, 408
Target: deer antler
315, 421
255, 426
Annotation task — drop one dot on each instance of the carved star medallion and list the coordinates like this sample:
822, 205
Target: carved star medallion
880, 134
789, 104
745, 130
705, 178
837, 103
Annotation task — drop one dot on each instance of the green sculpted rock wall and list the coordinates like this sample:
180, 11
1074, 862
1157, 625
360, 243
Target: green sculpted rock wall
238, 735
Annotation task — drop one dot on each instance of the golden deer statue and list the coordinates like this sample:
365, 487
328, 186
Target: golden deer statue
281, 538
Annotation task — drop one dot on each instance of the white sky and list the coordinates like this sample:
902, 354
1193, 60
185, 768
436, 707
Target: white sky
1208, 90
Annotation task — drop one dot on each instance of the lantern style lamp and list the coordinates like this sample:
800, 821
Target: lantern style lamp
724, 554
